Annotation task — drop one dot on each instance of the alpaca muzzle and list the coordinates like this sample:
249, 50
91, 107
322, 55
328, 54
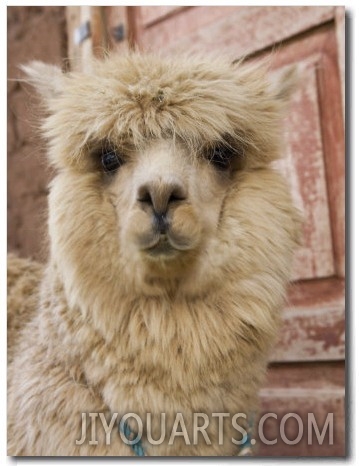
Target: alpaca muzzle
160, 195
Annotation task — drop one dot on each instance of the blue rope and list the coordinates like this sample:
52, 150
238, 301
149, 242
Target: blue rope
133, 442
136, 443
248, 438
247, 444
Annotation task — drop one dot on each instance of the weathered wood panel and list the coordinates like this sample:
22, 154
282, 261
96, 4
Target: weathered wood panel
334, 149
152, 14
322, 46
303, 167
235, 30
316, 293
313, 327
329, 374
302, 401
303, 388
312, 335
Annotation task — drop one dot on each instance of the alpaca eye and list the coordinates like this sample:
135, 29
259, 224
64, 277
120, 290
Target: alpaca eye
221, 157
111, 161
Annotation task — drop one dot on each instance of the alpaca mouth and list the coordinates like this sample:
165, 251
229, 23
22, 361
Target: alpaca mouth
164, 241
163, 247
166, 246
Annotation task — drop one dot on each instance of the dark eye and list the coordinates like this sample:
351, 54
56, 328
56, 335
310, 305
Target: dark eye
221, 156
111, 160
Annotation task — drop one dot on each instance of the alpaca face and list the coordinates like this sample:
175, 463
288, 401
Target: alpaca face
151, 153
161, 195
143, 213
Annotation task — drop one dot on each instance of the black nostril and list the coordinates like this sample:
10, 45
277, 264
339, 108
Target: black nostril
177, 195
160, 195
144, 196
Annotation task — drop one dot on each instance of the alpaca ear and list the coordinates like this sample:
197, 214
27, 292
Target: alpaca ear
47, 79
285, 83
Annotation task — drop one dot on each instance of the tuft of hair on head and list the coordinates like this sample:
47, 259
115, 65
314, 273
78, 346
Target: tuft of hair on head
46, 79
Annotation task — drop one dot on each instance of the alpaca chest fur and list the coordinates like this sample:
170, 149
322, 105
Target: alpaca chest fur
165, 358
171, 246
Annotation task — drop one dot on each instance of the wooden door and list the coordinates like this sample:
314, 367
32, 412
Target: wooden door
306, 374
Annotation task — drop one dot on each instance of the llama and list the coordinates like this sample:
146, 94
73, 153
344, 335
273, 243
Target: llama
171, 241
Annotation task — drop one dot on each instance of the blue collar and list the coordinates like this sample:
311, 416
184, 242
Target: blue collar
135, 442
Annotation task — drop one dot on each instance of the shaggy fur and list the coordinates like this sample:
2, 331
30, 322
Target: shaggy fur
23, 280
123, 324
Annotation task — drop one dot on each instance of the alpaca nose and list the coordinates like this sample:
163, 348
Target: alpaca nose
159, 195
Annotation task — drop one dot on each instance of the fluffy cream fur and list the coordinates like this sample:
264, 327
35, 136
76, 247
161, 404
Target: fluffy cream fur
120, 325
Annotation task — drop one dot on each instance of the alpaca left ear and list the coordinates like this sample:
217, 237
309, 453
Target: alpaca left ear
47, 79
285, 84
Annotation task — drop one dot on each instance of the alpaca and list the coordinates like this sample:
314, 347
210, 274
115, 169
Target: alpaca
171, 241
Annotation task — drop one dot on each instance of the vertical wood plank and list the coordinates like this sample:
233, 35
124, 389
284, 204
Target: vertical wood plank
303, 166
334, 146
99, 33
73, 18
135, 27
86, 45
117, 21
340, 31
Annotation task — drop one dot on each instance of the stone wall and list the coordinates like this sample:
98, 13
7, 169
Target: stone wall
34, 33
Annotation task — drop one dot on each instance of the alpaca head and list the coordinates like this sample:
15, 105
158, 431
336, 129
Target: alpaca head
149, 154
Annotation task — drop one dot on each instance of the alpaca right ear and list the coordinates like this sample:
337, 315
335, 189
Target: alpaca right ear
286, 83
47, 79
